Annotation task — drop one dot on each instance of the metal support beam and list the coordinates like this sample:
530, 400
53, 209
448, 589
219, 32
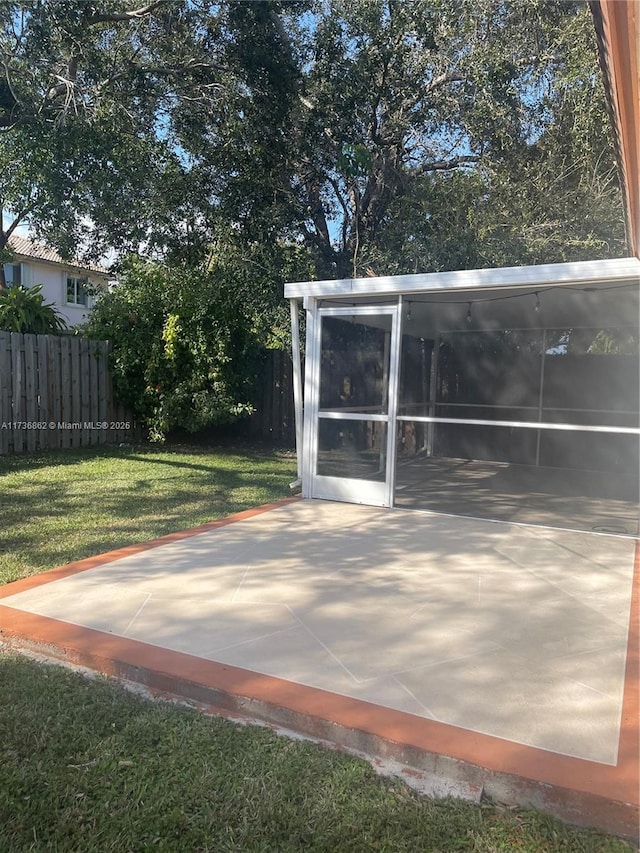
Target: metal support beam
541, 393
311, 392
394, 393
433, 388
298, 404
523, 424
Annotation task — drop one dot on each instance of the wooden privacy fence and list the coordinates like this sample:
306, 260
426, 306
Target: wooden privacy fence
55, 392
274, 416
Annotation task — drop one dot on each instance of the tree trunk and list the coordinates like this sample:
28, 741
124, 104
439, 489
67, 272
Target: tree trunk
3, 245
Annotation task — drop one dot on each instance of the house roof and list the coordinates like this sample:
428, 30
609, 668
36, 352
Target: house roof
617, 24
25, 247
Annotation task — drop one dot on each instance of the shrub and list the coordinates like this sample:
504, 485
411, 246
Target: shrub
184, 354
24, 310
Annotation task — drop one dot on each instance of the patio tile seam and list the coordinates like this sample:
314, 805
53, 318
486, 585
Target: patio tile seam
582, 556
323, 645
541, 573
561, 594
595, 689
487, 750
398, 673
239, 587
530, 526
566, 593
92, 562
219, 649
428, 712
137, 613
609, 646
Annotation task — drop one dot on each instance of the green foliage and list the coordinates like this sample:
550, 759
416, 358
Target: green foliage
401, 137
184, 354
24, 310
258, 271
326, 139
188, 339
86, 91
486, 133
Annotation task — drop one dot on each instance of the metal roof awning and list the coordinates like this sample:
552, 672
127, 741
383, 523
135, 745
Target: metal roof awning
542, 275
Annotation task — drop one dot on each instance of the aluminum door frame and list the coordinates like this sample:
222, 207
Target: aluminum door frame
343, 488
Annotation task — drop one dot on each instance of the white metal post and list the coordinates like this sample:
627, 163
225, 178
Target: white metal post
394, 393
297, 382
433, 382
386, 390
311, 390
541, 393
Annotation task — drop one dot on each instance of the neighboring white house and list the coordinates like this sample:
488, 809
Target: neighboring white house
65, 284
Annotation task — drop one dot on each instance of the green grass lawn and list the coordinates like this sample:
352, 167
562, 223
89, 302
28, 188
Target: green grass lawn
60, 507
85, 767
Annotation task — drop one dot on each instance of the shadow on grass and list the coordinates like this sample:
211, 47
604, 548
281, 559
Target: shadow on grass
45, 459
137, 453
89, 767
84, 512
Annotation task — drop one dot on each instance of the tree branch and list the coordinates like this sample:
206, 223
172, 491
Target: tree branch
318, 217
314, 239
338, 194
445, 165
451, 77
134, 15
19, 217
7, 77
67, 84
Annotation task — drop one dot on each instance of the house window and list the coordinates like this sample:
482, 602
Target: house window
13, 274
76, 292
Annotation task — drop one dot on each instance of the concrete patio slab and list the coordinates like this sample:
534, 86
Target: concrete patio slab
471, 648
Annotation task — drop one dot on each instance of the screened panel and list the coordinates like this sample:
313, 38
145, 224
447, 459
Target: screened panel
351, 449
416, 364
499, 479
485, 374
489, 368
593, 371
611, 454
497, 443
354, 368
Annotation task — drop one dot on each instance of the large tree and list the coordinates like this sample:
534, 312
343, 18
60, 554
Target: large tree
430, 135
247, 143
381, 135
87, 94
550, 193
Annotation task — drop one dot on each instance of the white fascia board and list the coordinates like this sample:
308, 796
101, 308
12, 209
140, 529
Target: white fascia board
540, 275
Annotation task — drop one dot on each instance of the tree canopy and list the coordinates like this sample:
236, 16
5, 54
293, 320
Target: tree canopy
378, 134
251, 142
438, 135
85, 96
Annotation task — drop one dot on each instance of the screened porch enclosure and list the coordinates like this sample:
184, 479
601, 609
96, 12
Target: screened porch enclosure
512, 407
497, 400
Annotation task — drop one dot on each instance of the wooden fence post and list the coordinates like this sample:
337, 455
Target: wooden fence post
55, 392
17, 393
44, 434
6, 412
